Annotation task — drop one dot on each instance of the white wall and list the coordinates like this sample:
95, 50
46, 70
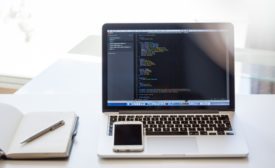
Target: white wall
35, 32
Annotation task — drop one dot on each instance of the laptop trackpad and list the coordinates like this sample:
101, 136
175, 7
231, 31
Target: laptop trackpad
171, 145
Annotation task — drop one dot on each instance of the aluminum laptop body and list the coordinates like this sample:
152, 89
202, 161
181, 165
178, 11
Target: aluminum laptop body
178, 70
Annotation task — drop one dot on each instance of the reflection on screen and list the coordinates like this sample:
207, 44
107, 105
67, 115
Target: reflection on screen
177, 67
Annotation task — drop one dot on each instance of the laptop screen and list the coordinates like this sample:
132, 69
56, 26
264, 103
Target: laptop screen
176, 66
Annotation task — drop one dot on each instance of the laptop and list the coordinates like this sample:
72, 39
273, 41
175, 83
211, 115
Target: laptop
178, 80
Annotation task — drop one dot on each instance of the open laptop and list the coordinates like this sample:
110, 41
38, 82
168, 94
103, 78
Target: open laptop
176, 78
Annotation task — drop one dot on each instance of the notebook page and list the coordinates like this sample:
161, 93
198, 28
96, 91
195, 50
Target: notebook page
10, 118
52, 143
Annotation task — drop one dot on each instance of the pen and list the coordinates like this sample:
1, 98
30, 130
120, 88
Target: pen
44, 131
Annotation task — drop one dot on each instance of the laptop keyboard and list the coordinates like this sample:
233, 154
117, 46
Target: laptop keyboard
178, 124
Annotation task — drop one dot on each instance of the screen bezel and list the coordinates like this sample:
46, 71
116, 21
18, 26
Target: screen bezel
129, 26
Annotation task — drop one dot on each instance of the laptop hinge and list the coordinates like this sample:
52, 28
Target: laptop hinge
169, 112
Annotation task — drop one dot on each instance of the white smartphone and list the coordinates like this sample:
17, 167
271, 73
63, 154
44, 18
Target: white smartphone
128, 136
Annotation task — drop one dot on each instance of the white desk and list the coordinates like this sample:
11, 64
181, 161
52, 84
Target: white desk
73, 85
255, 113
74, 74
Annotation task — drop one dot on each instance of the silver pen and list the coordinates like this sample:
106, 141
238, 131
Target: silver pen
44, 131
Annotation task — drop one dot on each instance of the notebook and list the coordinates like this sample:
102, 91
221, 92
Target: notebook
16, 127
178, 80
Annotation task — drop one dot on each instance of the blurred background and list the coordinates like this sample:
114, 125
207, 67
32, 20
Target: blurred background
36, 33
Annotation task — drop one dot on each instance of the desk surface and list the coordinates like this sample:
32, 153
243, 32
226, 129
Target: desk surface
255, 113
74, 74
71, 85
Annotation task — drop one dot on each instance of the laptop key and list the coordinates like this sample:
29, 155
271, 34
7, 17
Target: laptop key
187, 125
192, 129
178, 125
138, 118
159, 122
193, 133
113, 118
170, 125
200, 129
146, 126
203, 133
161, 126
153, 126
212, 133
166, 129
166, 133
157, 129
175, 129
183, 129
220, 132
229, 133
228, 129
148, 129
129, 119
121, 118
195, 125
183, 133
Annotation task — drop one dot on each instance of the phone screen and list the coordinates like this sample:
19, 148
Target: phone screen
128, 134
